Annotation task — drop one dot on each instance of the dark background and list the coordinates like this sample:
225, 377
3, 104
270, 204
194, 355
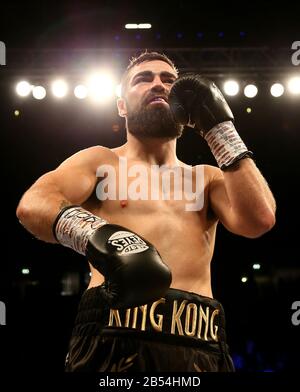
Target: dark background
39, 318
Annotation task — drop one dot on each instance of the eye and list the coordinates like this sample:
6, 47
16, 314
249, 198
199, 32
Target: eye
168, 80
142, 78
139, 79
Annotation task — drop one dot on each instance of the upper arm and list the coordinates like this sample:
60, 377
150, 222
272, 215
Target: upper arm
219, 201
75, 178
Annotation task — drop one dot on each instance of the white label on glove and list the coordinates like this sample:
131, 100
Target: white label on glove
127, 243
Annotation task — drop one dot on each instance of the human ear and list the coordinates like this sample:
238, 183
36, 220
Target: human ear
121, 104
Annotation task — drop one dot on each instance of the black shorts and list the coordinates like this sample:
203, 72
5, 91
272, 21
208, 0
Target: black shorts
182, 331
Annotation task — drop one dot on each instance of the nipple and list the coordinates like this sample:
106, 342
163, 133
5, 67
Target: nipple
123, 203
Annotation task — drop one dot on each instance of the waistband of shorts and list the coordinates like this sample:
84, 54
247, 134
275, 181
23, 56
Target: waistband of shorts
179, 314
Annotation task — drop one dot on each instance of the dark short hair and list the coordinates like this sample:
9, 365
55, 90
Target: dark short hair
143, 57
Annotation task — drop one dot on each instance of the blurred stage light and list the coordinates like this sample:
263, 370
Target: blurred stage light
138, 26
70, 283
231, 87
59, 88
80, 91
244, 279
277, 90
101, 87
256, 266
16, 113
39, 92
294, 85
250, 91
248, 110
25, 271
145, 26
23, 88
131, 26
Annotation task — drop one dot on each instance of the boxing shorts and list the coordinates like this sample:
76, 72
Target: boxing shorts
180, 332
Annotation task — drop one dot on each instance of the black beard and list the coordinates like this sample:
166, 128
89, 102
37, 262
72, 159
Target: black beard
154, 121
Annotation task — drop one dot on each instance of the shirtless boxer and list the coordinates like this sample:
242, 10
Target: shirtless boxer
149, 305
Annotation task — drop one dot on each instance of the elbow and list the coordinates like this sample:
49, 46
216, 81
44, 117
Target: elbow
263, 224
23, 212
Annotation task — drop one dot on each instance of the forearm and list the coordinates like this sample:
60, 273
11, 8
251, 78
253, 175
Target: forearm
38, 209
250, 197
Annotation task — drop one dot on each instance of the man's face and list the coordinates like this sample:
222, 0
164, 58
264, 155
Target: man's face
145, 103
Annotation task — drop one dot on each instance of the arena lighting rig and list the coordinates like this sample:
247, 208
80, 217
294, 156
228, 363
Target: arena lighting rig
102, 87
92, 74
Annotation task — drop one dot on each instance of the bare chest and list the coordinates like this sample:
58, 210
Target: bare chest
169, 209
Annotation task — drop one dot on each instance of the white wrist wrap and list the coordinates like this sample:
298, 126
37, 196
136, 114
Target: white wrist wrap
226, 144
74, 226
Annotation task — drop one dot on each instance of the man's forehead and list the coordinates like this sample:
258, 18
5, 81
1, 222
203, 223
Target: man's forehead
155, 66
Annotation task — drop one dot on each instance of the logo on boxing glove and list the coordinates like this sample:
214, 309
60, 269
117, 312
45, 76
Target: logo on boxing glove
126, 243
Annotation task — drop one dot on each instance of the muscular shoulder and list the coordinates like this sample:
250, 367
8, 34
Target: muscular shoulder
91, 156
211, 173
94, 152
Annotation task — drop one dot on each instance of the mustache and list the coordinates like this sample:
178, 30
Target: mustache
152, 96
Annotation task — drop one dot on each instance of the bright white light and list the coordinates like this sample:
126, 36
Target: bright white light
23, 88
39, 92
80, 91
250, 91
277, 90
118, 91
244, 279
25, 271
256, 266
138, 26
101, 87
294, 85
59, 88
231, 87
248, 110
131, 26
144, 26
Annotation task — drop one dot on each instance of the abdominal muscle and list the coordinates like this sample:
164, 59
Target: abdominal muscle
184, 245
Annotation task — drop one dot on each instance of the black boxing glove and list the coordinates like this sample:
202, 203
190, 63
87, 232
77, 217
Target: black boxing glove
133, 269
197, 102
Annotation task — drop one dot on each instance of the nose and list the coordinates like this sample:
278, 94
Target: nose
157, 84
